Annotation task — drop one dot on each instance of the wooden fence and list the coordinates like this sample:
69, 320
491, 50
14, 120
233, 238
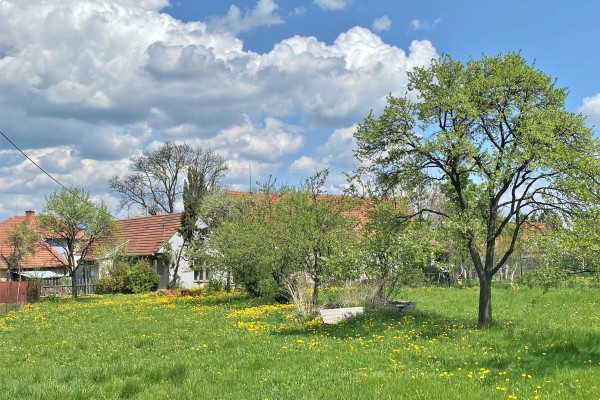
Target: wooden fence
20, 292
83, 286
13, 292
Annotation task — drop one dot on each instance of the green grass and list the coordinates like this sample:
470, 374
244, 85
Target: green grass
6, 308
230, 347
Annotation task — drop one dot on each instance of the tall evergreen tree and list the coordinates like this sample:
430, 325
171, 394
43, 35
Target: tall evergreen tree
194, 191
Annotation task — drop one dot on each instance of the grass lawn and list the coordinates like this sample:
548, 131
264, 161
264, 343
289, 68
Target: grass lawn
229, 347
6, 308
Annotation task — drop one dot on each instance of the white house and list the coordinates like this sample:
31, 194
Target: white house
154, 237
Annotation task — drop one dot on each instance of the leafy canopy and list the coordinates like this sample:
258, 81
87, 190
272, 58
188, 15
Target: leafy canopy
493, 133
76, 224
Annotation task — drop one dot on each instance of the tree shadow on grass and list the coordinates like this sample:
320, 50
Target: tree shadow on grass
561, 350
377, 322
237, 300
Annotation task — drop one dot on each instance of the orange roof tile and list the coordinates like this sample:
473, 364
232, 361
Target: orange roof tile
357, 211
45, 255
146, 235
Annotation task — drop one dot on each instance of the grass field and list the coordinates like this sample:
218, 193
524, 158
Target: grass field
6, 308
229, 347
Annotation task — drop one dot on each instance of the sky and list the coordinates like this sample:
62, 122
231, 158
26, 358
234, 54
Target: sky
275, 86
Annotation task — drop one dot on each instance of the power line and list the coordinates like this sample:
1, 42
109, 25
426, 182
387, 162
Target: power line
33, 162
45, 172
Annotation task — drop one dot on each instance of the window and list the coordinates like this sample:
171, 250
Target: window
201, 275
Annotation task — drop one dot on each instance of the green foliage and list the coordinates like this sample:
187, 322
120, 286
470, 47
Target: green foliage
204, 176
215, 208
125, 276
545, 277
79, 226
194, 190
493, 135
394, 251
214, 285
22, 242
275, 240
572, 244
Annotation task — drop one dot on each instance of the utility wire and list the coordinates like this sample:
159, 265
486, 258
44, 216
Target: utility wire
33, 162
43, 170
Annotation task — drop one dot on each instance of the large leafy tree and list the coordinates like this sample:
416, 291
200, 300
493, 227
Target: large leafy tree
494, 133
238, 241
312, 235
214, 209
77, 225
279, 240
156, 181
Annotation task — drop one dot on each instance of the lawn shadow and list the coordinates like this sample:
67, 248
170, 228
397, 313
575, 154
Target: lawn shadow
377, 322
580, 352
234, 299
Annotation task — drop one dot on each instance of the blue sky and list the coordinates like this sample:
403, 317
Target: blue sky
276, 86
562, 37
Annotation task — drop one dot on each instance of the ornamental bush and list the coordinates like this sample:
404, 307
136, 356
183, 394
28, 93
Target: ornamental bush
123, 276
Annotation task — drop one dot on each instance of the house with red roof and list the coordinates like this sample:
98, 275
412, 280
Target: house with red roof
156, 238
45, 257
152, 237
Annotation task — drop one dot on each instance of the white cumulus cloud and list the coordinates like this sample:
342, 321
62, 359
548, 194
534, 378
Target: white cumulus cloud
299, 11
84, 84
264, 14
336, 155
417, 24
382, 24
332, 4
304, 165
591, 109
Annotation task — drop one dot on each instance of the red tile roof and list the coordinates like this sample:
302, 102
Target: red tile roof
146, 235
45, 255
356, 211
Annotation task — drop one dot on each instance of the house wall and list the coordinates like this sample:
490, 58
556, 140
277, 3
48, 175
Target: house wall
58, 246
185, 272
162, 270
87, 271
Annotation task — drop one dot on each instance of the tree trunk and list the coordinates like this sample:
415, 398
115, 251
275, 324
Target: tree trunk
73, 285
315, 293
485, 283
379, 296
173, 282
18, 287
175, 264
316, 277
485, 300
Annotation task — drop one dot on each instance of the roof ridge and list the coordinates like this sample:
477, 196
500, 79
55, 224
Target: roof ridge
150, 216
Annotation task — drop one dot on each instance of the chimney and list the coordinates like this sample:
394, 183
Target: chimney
29, 216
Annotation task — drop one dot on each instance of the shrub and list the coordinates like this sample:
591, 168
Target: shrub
545, 277
34, 290
214, 285
127, 277
191, 292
